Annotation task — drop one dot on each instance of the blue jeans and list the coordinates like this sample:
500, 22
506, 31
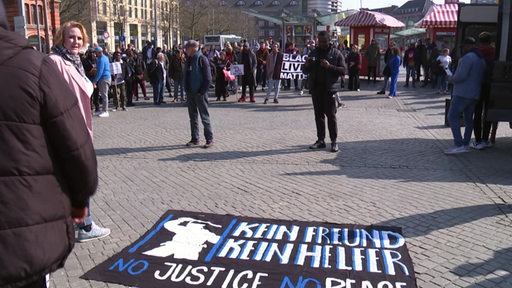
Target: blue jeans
158, 92
386, 80
392, 85
442, 84
466, 106
88, 219
410, 72
103, 86
198, 104
178, 87
274, 85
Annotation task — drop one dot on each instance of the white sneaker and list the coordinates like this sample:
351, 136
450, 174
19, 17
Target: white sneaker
456, 150
477, 145
96, 232
103, 114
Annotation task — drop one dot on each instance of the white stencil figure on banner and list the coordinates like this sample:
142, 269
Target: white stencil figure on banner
189, 240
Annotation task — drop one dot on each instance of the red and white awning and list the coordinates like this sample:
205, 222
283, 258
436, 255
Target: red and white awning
440, 16
365, 18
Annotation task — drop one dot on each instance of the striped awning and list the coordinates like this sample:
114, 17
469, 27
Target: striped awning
440, 16
365, 18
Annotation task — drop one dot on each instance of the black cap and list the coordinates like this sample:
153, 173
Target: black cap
484, 37
470, 40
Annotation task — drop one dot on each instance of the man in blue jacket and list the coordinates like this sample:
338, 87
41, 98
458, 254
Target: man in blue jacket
197, 80
102, 79
467, 82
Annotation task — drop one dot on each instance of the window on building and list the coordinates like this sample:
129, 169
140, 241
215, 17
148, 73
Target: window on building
275, 3
33, 14
261, 33
104, 7
271, 33
240, 3
130, 12
258, 3
27, 14
261, 23
40, 11
114, 10
136, 14
223, 3
293, 3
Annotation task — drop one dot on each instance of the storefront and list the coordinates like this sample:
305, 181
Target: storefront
367, 25
441, 24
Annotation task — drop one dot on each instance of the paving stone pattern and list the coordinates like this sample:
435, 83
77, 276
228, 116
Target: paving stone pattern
455, 211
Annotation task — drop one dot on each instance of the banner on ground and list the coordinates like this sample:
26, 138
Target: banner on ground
190, 249
292, 66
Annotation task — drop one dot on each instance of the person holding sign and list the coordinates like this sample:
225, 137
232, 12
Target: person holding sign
119, 72
248, 59
324, 65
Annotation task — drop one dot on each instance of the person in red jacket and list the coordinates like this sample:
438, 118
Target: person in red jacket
48, 167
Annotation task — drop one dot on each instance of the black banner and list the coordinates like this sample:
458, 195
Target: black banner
190, 249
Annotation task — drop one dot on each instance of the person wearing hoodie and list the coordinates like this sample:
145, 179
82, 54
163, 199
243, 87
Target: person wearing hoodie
48, 169
467, 83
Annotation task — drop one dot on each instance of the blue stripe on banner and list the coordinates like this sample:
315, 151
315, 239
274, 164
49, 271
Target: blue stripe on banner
221, 240
151, 234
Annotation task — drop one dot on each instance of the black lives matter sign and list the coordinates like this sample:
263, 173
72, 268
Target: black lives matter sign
189, 249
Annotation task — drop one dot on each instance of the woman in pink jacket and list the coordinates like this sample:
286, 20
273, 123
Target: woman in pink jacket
68, 42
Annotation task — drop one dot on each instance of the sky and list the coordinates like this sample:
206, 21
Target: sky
372, 4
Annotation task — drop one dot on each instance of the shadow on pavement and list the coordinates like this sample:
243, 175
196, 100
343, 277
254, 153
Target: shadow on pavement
499, 266
409, 159
422, 224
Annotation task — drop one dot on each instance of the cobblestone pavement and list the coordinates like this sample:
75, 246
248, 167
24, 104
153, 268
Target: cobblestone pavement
455, 211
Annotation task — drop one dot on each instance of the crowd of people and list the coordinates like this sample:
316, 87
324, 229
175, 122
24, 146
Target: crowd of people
165, 69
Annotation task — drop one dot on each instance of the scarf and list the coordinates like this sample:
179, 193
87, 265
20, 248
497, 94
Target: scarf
73, 59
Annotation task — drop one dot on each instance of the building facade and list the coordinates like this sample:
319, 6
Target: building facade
37, 20
115, 23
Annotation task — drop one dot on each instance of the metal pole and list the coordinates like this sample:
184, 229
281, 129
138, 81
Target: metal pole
40, 48
46, 27
156, 22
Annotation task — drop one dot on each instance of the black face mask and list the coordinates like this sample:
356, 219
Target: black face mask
324, 47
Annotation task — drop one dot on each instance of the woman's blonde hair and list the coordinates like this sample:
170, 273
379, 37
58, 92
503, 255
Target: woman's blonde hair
58, 39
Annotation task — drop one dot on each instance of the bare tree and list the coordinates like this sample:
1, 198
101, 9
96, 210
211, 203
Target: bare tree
165, 20
74, 10
193, 15
201, 17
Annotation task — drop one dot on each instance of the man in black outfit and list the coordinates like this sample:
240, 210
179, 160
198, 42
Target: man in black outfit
325, 64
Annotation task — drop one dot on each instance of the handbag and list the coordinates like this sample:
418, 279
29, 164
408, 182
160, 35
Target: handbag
386, 71
227, 75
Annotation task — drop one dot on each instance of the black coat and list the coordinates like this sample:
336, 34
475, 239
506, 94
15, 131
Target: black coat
156, 72
47, 163
325, 78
